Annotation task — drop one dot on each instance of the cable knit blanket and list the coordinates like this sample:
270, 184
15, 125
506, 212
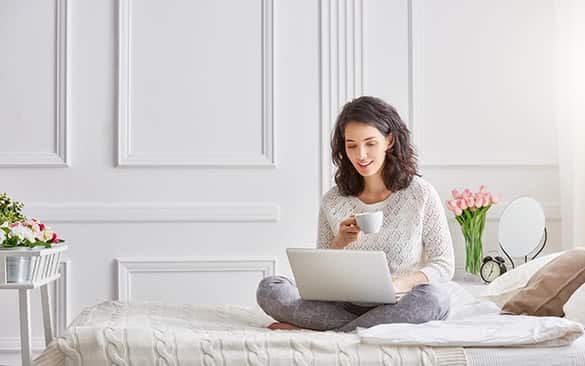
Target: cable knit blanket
114, 333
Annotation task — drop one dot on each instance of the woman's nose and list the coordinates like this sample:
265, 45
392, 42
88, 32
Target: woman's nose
363, 154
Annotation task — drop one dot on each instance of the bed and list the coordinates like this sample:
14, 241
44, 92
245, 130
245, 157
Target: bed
165, 334
572, 355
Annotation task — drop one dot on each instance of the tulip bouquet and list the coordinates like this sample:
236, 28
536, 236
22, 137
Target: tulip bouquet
470, 211
18, 231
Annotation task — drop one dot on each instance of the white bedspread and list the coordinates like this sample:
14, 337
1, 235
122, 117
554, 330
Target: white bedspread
482, 331
474, 323
151, 334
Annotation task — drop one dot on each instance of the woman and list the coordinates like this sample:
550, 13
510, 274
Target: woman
376, 170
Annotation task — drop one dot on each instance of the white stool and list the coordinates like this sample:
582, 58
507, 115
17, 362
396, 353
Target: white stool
44, 269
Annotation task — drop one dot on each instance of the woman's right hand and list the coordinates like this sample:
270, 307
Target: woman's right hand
349, 232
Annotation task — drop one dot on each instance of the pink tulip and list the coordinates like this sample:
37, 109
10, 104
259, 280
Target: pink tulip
458, 211
456, 194
470, 201
451, 205
479, 202
461, 204
467, 193
496, 198
482, 189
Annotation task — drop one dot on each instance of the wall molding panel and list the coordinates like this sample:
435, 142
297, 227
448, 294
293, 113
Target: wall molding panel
96, 212
128, 266
61, 157
552, 212
62, 298
342, 60
127, 156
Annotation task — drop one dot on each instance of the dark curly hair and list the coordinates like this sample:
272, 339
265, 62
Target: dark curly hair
400, 165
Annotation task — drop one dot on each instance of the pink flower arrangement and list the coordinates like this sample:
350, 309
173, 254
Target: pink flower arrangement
470, 211
27, 233
468, 200
16, 230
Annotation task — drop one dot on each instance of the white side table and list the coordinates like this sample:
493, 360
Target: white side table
43, 269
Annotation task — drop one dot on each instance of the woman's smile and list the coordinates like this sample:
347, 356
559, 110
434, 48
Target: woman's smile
365, 165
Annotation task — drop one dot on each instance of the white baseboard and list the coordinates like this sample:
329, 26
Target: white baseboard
12, 345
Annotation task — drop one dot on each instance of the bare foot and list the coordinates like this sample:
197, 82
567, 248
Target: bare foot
284, 326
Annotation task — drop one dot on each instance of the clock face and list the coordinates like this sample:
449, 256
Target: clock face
490, 270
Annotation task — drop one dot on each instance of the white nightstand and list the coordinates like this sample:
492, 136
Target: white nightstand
43, 268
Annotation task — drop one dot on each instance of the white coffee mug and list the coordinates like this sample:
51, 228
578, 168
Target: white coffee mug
369, 222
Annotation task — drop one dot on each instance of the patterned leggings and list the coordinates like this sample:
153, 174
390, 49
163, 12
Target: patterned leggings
279, 297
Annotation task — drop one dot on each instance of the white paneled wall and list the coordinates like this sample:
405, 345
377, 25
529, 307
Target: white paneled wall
222, 280
483, 86
34, 84
199, 131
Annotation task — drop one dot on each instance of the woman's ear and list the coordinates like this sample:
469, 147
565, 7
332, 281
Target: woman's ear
389, 141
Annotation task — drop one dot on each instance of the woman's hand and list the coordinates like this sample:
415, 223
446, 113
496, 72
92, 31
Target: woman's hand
406, 283
348, 233
401, 285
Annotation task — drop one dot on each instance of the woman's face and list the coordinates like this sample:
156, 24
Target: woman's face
366, 147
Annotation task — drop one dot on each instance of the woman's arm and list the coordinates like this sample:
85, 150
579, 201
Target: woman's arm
325, 235
437, 244
436, 240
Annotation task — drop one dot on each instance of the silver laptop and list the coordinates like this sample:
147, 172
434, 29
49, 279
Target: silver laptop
342, 275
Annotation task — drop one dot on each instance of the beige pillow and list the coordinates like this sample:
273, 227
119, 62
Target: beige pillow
548, 290
507, 285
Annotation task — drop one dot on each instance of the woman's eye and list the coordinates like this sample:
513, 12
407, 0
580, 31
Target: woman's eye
351, 147
371, 144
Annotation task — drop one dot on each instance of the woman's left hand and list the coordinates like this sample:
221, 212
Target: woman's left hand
406, 283
401, 285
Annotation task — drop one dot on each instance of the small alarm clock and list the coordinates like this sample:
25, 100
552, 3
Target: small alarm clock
491, 268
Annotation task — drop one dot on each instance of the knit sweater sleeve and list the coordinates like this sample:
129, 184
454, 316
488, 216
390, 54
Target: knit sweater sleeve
325, 234
436, 239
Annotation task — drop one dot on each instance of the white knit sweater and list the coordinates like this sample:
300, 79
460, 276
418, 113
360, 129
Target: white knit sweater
414, 235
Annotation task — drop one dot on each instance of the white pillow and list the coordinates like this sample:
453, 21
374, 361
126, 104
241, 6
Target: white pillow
507, 285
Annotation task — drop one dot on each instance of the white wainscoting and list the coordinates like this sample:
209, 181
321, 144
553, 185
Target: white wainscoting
342, 77
156, 212
62, 298
127, 156
61, 156
196, 280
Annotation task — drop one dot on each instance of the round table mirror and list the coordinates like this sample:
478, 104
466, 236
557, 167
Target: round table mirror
522, 227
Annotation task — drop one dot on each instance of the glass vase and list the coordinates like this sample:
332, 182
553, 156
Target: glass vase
472, 230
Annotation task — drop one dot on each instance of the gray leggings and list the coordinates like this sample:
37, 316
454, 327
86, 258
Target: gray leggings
279, 297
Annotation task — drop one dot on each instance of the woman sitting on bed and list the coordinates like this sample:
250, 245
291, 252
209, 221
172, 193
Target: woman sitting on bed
376, 171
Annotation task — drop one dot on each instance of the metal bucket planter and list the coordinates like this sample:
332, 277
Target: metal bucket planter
19, 269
